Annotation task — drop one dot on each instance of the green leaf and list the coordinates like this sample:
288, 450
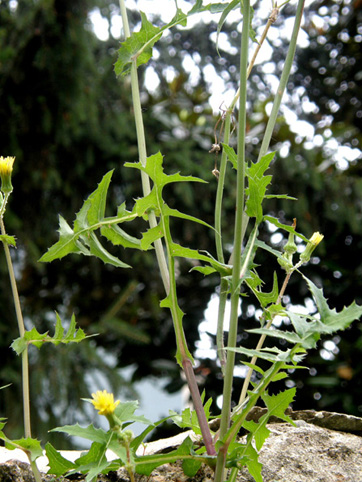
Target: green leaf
38, 339
309, 332
257, 185
273, 354
119, 237
245, 454
147, 463
100, 252
93, 462
57, 463
191, 466
277, 405
30, 446
125, 413
331, 320
154, 169
205, 270
89, 433
151, 235
285, 227
67, 243
188, 417
181, 252
264, 298
6, 239
167, 211
139, 45
280, 196
82, 238
231, 154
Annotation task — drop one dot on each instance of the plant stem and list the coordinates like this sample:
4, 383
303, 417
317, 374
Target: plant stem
235, 284
141, 140
218, 204
21, 327
261, 342
219, 247
263, 150
283, 81
220, 190
167, 270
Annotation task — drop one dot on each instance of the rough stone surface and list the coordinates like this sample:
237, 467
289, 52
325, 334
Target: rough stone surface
305, 453
308, 453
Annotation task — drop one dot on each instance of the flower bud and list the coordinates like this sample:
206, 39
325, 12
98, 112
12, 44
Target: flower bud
125, 437
290, 248
6, 168
311, 246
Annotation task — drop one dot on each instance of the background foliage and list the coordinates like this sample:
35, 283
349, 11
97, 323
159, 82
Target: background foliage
68, 120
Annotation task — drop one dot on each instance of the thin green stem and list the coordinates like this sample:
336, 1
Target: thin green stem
220, 190
283, 81
21, 327
219, 245
272, 18
183, 356
142, 151
235, 283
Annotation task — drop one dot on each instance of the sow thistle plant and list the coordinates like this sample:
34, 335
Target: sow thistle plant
221, 450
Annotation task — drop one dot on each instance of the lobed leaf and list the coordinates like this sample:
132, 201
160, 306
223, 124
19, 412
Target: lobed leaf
91, 217
58, 465
138, 47
257, 186
38, 339
29, 445
264, 298
331, 320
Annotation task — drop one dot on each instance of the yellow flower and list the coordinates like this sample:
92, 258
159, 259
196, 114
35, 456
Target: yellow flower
104, 402
316, 238
6, 168
6, 165
312, 244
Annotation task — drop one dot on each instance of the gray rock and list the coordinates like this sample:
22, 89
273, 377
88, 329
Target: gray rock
308, 453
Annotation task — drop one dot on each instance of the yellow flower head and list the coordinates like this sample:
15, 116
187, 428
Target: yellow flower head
104, 402
316, 238
6, 168
6, 165
312, 244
